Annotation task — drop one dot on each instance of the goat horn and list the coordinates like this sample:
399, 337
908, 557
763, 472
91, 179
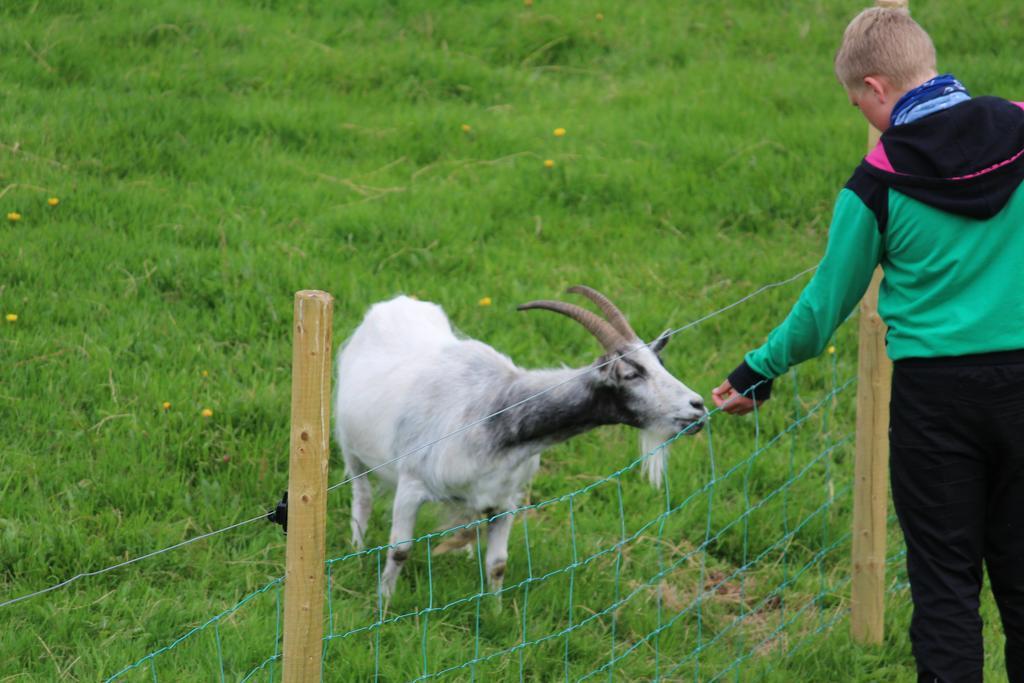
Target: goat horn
609, 337
610, 310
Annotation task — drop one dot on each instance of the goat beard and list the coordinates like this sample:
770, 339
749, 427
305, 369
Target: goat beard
652, 445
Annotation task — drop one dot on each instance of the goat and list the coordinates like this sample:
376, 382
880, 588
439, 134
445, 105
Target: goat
405, 380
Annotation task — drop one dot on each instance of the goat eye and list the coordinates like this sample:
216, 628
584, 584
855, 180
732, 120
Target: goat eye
630, 375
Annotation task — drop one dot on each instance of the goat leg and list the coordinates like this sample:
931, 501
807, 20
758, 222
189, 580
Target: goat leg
459, 536
362, 505
498, 531
409, 496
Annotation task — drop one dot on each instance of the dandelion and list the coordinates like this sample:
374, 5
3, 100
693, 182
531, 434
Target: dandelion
466, 128
486, 301
53, 201
831, 349
559, 132
11, 317
167, 405
206, 412
549, 163
13, 216
599, 16
205, 373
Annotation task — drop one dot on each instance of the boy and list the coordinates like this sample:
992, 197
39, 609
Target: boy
938, 203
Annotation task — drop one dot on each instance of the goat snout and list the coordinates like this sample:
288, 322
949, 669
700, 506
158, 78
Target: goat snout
691, 427
692, 421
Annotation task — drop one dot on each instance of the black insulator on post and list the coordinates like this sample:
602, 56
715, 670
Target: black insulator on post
279, 515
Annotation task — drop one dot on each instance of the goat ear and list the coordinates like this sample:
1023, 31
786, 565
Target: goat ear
611, 372
658, 344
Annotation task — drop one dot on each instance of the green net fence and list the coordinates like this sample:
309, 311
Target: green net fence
737, 563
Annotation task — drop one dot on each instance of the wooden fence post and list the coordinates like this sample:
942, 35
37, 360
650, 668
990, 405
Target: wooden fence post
871, 467
307, 488
871, 475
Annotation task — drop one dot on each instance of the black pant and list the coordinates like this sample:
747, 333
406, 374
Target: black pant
957, 468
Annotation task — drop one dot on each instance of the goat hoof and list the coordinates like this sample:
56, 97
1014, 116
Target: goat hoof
386, 588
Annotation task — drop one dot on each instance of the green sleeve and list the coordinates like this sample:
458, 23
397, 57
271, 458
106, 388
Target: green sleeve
853, 252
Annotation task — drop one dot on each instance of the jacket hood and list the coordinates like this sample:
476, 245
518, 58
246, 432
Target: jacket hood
967, 160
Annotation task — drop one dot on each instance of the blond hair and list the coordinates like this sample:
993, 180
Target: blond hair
884, 41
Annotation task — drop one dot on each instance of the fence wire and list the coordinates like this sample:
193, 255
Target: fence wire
230, 527
727, 571
724, 575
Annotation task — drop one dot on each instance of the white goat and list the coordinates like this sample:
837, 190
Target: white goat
405, 380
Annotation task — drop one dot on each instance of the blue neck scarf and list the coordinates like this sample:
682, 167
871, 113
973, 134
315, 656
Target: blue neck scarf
941, 92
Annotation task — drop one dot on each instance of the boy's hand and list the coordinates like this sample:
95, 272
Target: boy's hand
732, 402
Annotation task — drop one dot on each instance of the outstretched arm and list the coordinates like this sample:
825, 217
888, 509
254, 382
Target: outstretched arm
855, 248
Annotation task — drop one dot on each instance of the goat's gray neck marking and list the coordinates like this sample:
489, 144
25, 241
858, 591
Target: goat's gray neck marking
575, 407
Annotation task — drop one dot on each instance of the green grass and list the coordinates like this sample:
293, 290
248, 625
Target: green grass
212, 159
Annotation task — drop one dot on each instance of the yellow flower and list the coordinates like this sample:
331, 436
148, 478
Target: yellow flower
486, 301
528, 3
559, 132
12, 317
14, 216
205, 373
599, 16
206, 412
466, 128
53, 201
549, 163
831, 349
167, 405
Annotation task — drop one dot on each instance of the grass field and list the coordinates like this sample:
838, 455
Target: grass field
210, 159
